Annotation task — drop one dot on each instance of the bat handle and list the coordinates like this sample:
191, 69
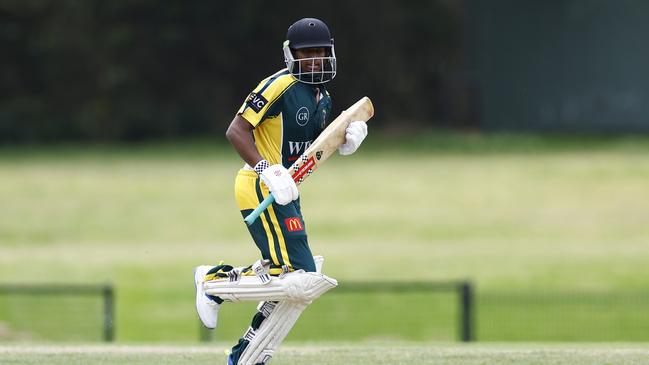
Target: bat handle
252, 217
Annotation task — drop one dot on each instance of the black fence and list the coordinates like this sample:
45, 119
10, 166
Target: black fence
441, 311
447, 311
419, 311
463, 290
562, 315
88, 311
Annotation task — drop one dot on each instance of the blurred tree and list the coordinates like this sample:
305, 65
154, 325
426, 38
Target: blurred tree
134, 69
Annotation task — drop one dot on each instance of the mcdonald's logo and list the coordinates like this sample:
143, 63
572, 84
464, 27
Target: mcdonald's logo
293, 224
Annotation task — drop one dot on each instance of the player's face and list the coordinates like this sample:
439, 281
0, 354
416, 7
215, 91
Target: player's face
310, 65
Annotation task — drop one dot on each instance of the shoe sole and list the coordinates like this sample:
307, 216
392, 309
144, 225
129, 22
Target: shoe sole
197, 281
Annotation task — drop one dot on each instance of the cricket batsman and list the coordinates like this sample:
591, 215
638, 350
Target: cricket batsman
277, 122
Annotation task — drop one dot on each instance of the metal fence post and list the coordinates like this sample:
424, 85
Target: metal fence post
466, 312
109, 313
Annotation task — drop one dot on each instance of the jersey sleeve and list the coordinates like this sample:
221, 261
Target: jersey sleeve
259, 104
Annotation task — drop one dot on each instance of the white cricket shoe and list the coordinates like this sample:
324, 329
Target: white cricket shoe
206, 308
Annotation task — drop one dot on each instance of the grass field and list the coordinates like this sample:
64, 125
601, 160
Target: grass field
516, 215
333, 354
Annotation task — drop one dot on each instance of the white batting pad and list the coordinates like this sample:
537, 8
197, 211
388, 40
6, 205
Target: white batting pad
297, 286
271, 333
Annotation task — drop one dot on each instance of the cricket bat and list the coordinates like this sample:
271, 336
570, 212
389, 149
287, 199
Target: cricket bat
319, 151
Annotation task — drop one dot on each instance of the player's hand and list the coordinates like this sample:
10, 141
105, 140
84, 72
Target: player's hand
354, 135
280, 183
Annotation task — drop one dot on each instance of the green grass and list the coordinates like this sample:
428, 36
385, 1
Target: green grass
333, 354
514, 214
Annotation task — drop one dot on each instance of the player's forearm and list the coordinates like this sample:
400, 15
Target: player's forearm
245, 146
239, 134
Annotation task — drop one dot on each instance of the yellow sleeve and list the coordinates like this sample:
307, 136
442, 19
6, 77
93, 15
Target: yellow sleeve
256, 106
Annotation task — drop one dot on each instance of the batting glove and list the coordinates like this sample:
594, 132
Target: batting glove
354, 136
278, 181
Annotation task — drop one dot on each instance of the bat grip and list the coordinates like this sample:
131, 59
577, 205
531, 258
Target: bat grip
252, 217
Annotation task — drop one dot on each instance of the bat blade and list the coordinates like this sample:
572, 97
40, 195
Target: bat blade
329, 140
321, 149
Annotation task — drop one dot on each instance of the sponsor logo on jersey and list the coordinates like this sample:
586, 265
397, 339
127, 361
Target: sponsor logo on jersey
293, 224
256, 102
302, 116
297, 148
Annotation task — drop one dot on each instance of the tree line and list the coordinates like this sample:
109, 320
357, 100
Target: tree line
139, 69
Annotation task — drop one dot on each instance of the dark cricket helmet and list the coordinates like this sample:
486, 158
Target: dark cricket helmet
310, 33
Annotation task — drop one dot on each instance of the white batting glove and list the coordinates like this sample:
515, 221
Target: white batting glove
354, 135
278, 181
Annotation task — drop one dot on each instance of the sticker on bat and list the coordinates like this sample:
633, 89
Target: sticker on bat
305, 169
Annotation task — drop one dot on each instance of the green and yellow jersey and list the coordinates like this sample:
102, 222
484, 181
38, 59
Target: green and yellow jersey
287, 116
